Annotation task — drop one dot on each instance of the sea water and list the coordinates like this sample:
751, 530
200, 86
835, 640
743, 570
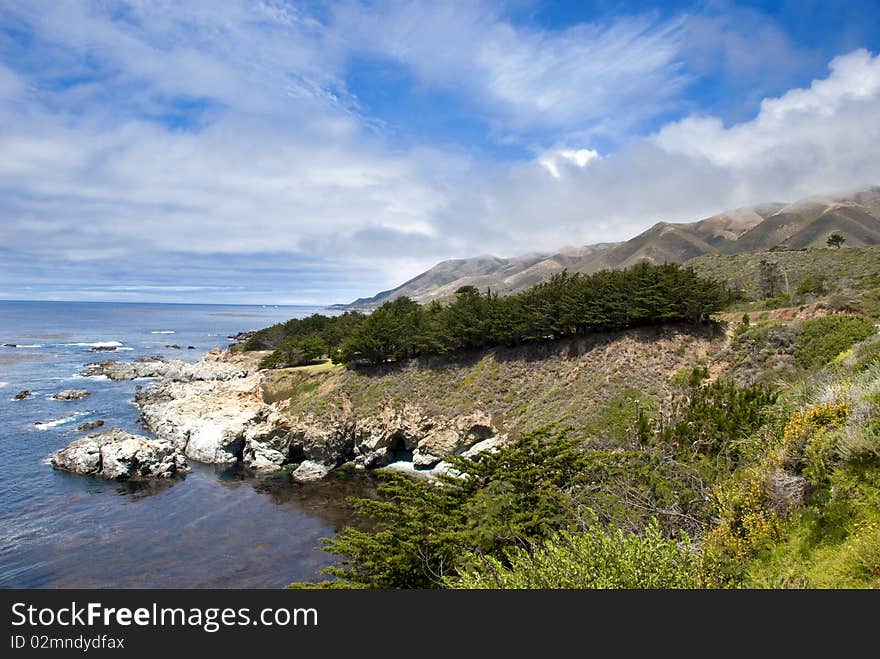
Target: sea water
217, 527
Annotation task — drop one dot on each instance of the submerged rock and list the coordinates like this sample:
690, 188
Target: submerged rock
119, 455
21, 395
90, 425
72, 394
310, 471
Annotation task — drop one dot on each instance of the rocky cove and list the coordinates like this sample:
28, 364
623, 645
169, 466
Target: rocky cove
216, 411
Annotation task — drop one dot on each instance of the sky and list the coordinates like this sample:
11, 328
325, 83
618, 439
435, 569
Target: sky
312, 152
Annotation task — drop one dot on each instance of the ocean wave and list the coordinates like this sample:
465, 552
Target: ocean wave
46, 425
163, 332
3, 384
97, 344
26, 345
77, 376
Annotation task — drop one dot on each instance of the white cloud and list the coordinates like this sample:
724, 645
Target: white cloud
283, 161
552, 160
807, 141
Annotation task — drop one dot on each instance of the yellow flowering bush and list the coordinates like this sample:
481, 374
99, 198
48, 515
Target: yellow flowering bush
748, 524
807, 441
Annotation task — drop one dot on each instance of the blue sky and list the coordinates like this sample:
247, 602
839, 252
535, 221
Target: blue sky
312, 152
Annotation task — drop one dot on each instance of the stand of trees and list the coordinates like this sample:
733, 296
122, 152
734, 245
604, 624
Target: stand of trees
566, 305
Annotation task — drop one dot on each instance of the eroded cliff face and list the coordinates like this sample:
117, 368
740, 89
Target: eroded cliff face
221, 416
312, 420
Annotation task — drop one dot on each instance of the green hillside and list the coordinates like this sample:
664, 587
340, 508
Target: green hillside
740, 453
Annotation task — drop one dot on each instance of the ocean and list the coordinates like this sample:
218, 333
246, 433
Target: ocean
216, 528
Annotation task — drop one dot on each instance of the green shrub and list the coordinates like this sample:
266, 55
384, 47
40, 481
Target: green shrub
517, 495
296, 351
814, 284
597, 558
711, 419
864, 547
822, 339
743, 327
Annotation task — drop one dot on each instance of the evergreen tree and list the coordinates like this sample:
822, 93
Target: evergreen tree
835, 240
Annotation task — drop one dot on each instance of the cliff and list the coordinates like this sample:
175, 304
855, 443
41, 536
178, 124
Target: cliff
313, 419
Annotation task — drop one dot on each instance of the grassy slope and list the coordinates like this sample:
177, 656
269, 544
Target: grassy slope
592, 384
845, 270
833, 541
589, 383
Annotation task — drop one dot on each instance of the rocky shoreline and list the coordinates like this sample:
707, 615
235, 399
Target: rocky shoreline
215, 411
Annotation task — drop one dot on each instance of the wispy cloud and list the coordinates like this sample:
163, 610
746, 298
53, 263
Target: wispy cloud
590, 77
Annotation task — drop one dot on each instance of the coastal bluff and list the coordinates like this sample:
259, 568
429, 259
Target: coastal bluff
219, 410
413, 415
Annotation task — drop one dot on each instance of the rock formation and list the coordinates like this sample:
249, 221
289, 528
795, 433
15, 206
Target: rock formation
118, 455
214, 411
90, 425
72, 394
174, 370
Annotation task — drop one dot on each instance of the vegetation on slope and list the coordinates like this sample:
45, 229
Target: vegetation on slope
822, 339
566, 305
549, 482
778, 351
594, 384
797, 276
768, 475
833, 441
721, 486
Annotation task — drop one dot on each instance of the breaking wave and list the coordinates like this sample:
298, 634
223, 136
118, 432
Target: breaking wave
46, 425
97, 344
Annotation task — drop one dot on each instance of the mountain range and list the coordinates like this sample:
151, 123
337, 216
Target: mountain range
804, 223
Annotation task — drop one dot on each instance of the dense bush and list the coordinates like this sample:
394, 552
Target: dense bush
520, 494
566, 305
600, 557
543, 484
747, 523
822, 339
296, 351
330, 330
709, 419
